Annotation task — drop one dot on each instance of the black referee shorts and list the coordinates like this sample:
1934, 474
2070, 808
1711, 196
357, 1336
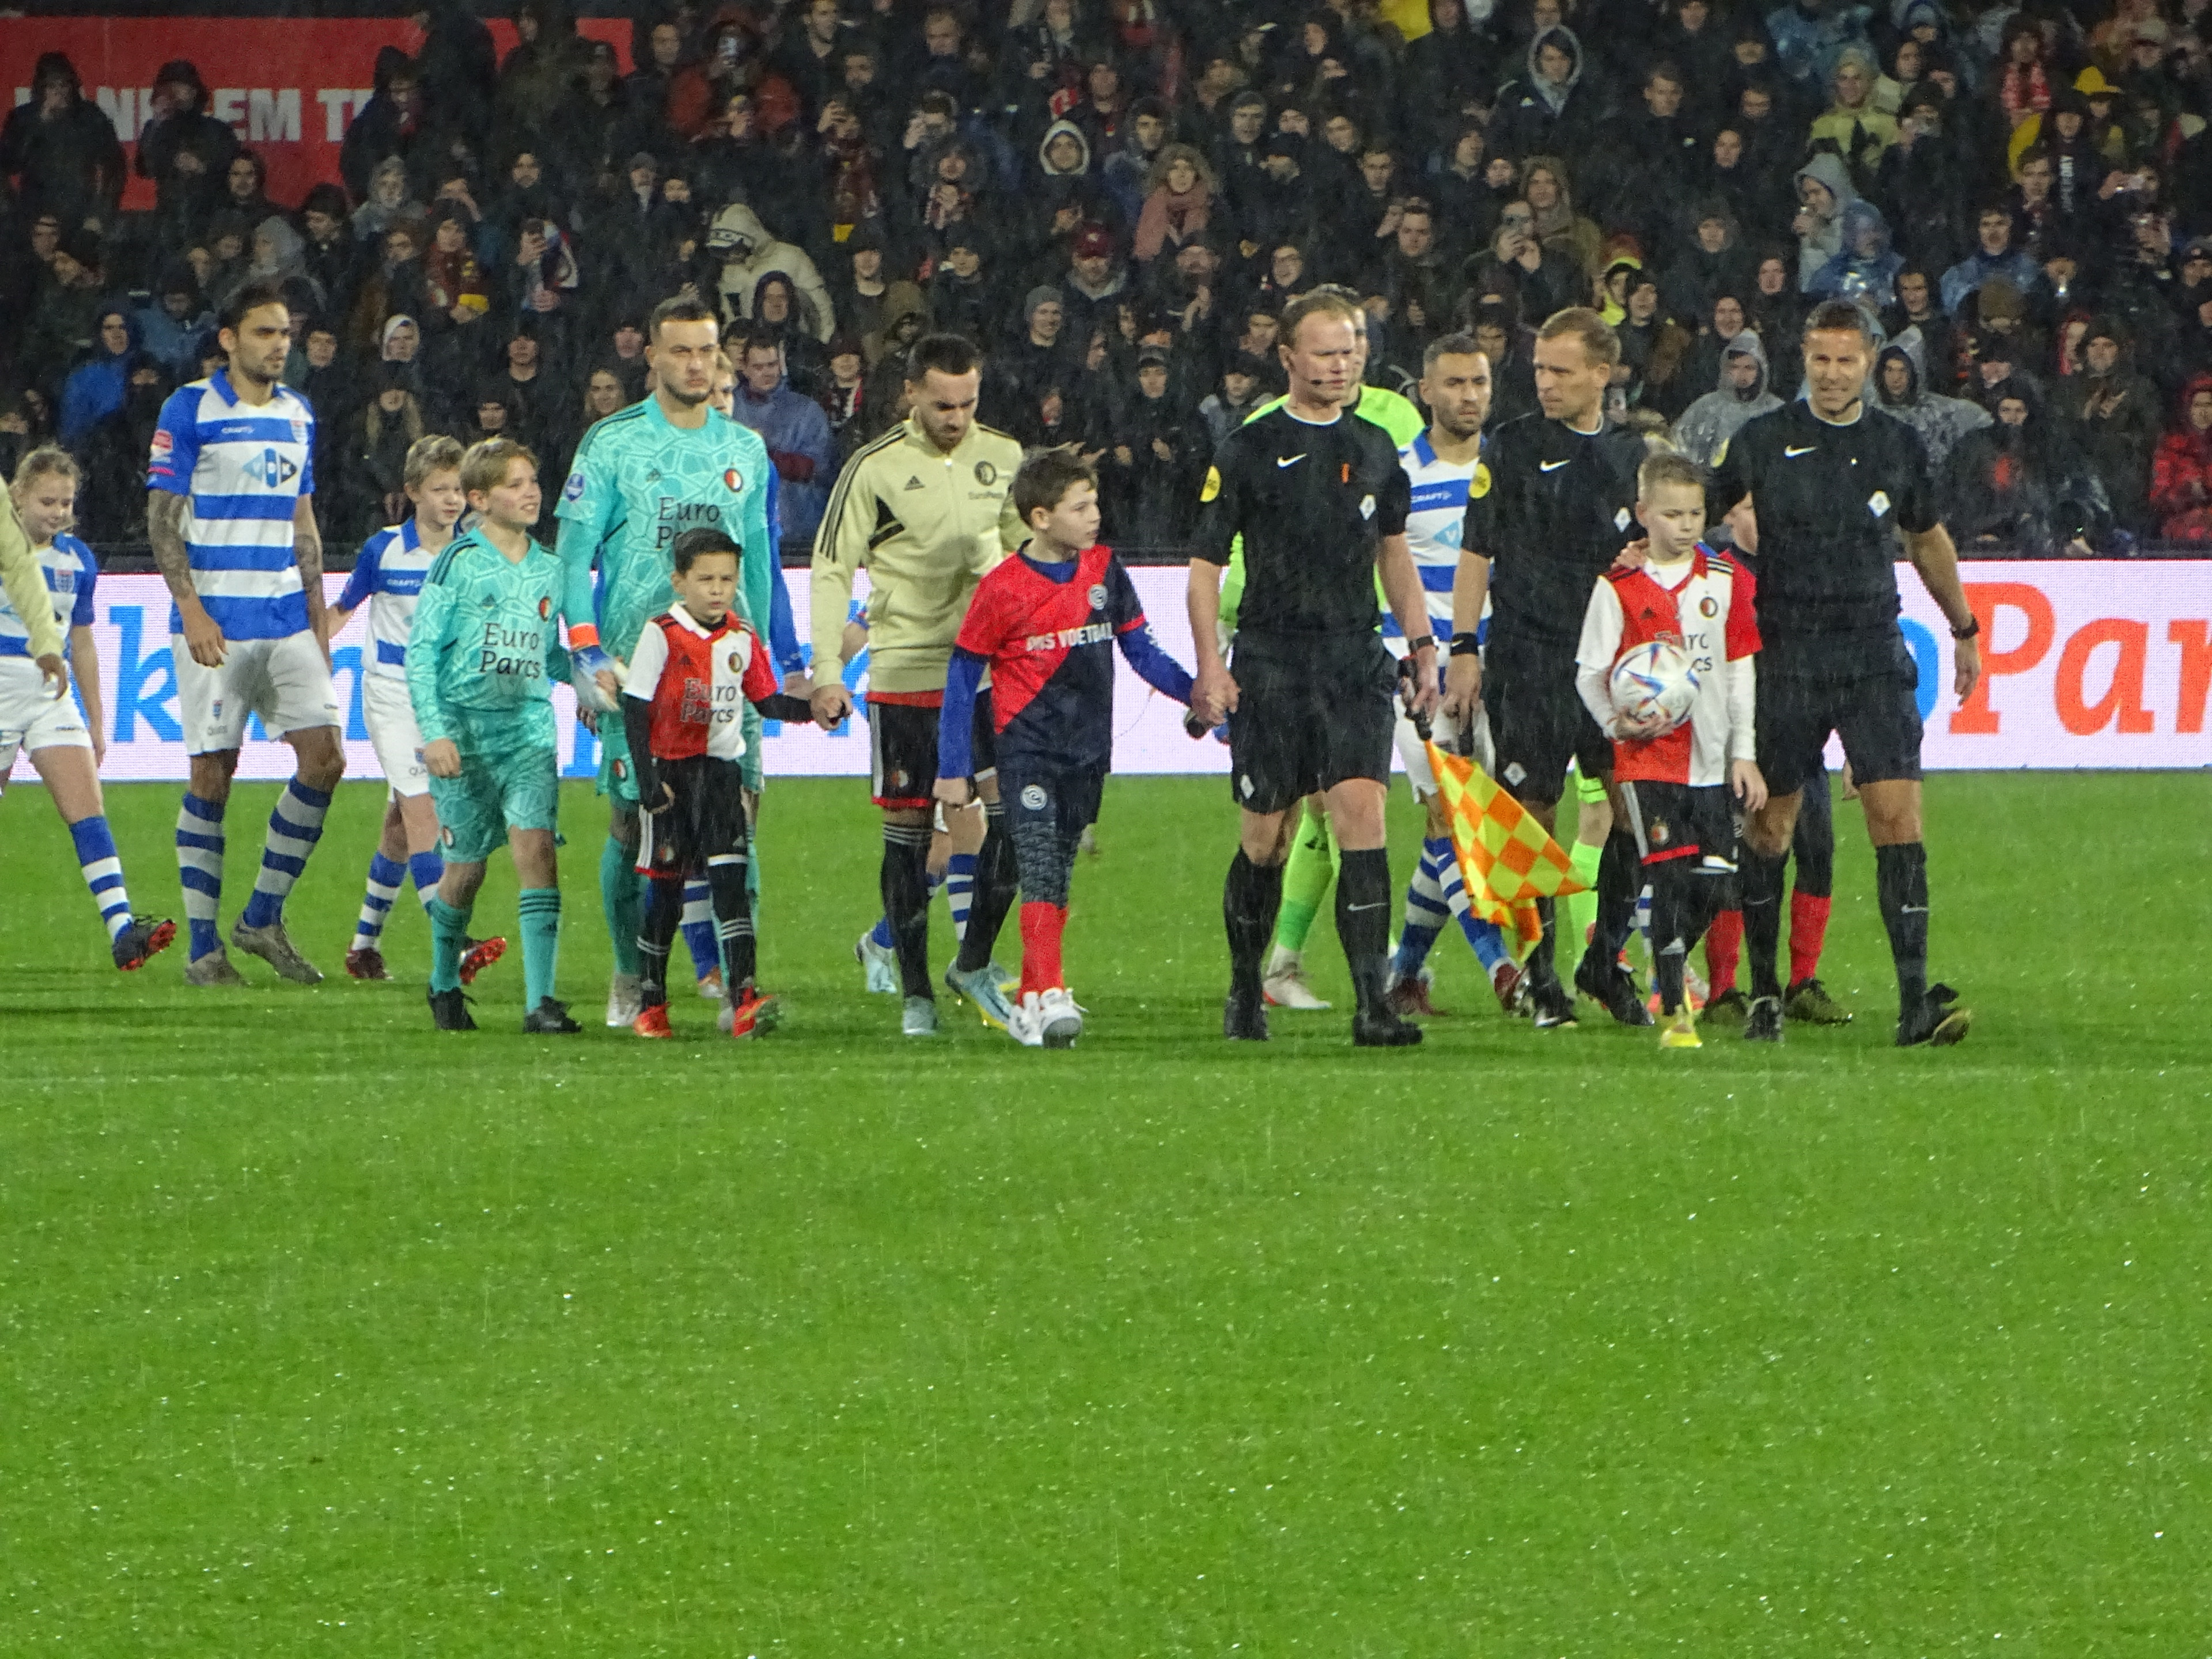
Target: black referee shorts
708, 818
902, 751
1309, 717
1803, 698
1537, 721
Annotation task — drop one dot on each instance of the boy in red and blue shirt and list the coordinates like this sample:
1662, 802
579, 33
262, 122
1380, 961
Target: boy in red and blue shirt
1043, 624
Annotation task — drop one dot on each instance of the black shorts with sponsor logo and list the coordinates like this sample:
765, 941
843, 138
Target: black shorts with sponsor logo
706, 819
1805, 695
1694, 827
1538, 724
902, 751
1310, 714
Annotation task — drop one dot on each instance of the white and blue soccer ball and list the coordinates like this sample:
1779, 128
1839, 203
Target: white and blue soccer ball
1655, 683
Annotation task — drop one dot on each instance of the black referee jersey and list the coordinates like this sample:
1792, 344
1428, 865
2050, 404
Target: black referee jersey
1831, 501
1558, 507
1313, 503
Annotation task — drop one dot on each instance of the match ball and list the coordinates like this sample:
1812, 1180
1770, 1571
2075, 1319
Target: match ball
1655, 679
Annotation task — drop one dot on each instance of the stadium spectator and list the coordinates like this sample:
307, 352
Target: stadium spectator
795, 429
2181, 473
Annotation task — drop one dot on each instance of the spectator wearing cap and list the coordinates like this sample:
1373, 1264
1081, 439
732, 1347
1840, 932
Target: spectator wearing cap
184, 150
794, 429
1159, 452
61, 152
1281, 206
1095, 286
965, 294
1044, 355
843, 392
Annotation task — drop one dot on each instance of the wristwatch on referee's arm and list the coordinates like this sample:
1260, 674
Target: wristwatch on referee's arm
1972, 631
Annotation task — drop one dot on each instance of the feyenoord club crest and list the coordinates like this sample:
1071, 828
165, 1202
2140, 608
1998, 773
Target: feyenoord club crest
544, 609
737, 662
735, 481
1709, 607
986, 474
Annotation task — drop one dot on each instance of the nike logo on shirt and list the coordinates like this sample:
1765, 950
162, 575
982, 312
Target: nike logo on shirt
1552, 466
1290, 460
1792, 454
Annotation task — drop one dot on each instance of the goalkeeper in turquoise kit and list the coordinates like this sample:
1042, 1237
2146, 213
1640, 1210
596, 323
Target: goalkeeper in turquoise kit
642, 476
482, 662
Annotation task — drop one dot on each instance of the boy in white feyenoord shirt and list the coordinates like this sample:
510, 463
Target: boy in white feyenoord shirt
387, 577
1676, 780
1444, 464
231, 515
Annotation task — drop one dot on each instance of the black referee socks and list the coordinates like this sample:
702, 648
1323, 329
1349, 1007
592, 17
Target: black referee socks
1250, 899
1760, 880
1363, 920
1900, 878
906, 902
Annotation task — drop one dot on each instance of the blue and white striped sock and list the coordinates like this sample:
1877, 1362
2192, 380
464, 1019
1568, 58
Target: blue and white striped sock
199, 867
1426, 913
700, 936
1489, 944
960, 890
426, 870
385, 878
294, 827
103, 871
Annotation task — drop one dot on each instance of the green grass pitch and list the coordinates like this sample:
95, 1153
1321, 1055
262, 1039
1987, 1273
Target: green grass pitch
323, 1335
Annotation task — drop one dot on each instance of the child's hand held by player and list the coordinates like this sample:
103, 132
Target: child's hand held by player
56, 673
954, 791
441, 758
1749, 785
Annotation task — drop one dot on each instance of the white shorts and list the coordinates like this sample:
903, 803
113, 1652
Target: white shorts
1419, 773
285, 681
31, 720
390, 714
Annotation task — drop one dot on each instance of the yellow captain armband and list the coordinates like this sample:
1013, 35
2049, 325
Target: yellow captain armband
1212, 486
1478, 486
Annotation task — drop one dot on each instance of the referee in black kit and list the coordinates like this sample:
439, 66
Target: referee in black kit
1558, 506
1830, 481
1321, 502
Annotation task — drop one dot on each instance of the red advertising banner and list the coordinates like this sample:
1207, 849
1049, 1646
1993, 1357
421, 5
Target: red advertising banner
287, 87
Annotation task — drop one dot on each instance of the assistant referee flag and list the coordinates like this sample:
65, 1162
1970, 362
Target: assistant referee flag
1505, 858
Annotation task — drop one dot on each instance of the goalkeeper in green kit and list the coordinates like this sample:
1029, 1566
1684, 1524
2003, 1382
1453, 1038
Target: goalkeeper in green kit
482, 663
641, 477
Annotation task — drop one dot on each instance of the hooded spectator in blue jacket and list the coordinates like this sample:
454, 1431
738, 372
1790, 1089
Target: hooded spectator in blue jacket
95, 387
795, 430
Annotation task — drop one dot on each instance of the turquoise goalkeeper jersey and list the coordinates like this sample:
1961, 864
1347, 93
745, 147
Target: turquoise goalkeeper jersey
636, 484
483, 657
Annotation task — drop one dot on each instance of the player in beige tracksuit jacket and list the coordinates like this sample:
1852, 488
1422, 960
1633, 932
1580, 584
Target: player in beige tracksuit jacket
926, 509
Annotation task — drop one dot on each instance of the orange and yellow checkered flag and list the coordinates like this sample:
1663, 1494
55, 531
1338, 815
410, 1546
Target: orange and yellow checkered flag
1505, 857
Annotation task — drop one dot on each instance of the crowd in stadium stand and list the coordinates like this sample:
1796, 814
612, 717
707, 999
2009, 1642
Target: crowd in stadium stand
1115, 199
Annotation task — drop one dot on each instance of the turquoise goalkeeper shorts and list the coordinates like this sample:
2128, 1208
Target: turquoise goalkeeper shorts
497, 791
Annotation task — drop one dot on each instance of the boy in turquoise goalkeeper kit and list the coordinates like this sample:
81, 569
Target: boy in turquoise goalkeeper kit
482, 663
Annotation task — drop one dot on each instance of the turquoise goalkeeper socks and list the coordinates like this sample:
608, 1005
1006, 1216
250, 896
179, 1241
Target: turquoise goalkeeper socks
449, 938
623, 901
541, 941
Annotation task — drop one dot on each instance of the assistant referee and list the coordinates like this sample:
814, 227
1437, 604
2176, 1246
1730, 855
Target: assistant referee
1831, 481
1321, 502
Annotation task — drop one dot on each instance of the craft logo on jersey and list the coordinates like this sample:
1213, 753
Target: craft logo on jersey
270, 469
1096, 596
986, 474
734, 481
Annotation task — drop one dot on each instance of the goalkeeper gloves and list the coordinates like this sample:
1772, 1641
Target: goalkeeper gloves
586, 663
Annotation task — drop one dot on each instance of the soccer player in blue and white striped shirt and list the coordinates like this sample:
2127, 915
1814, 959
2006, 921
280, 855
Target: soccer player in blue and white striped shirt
62, 733
231, 515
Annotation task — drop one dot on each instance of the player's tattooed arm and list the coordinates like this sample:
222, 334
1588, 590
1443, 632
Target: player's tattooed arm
307, 553
165, 532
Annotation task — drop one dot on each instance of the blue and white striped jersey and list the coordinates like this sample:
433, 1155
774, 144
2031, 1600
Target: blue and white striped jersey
241, 471
1433, 528
70, 571
389, 575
